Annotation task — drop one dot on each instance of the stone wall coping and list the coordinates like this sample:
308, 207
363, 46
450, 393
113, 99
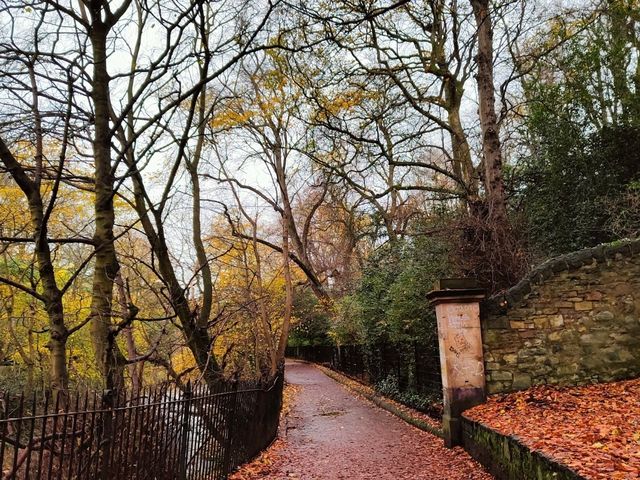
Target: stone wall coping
501, 302
456, 295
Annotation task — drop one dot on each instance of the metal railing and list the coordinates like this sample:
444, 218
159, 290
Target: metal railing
162, 433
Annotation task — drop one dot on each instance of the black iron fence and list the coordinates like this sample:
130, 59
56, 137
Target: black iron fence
409, 371
161, 434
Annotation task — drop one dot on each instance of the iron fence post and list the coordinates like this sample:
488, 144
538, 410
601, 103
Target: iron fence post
107, 434
230, 429
184, 441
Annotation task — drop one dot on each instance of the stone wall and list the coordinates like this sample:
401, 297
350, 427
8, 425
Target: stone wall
506, 458
575, 319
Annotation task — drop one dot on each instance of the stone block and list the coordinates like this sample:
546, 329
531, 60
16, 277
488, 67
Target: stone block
496, 387
617, 355
588, 321
501, 376
556, 321
604, 316
597, 338
492, 337
534, 342
583, 306
540, 322
623, 338
528, 353
621, 289
516, 324
553, 360
510, 358
569, 369
570, 353
495, 322
521, 381
587, 338
554, 336
591, 363
569, 337
595, 296
628, 306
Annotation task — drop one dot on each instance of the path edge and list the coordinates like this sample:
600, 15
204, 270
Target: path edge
378, 400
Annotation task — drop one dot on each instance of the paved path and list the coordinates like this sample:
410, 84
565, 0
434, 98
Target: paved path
332, 434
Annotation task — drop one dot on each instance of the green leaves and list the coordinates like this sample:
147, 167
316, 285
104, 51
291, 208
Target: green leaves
582, 129
390, 302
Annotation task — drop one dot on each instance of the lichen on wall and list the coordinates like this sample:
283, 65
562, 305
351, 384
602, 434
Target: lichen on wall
575, 319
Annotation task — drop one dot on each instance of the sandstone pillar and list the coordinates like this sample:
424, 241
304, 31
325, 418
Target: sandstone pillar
457, 304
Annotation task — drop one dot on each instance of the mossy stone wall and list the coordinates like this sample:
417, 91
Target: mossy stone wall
508, 459
574, 320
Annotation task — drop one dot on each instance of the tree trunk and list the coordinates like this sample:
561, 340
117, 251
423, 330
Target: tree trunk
461, 153
201, 255
287, 223
263, 314
128, 313
491, 148
51, 294
288, 302
108, 355
196, 335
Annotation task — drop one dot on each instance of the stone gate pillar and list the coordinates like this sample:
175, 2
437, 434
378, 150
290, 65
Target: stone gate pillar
457, 304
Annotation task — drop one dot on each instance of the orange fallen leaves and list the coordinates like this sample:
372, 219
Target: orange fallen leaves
594, 429
260, 467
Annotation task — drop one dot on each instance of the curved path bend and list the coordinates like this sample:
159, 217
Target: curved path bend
332, 434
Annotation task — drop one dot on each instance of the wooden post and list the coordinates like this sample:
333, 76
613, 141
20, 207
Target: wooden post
457, 303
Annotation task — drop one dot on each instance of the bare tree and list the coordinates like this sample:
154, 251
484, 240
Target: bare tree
37, 130
218, 39
263, 112
421, 52
126, 105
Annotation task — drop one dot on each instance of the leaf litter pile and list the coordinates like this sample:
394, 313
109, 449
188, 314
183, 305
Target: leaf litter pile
594, 429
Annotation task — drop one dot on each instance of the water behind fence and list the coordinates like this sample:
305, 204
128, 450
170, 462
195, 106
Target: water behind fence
413, 367
161, 433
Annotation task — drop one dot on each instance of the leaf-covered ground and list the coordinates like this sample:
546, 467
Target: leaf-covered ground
410, 415
594, 429
261, 465
332, 434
